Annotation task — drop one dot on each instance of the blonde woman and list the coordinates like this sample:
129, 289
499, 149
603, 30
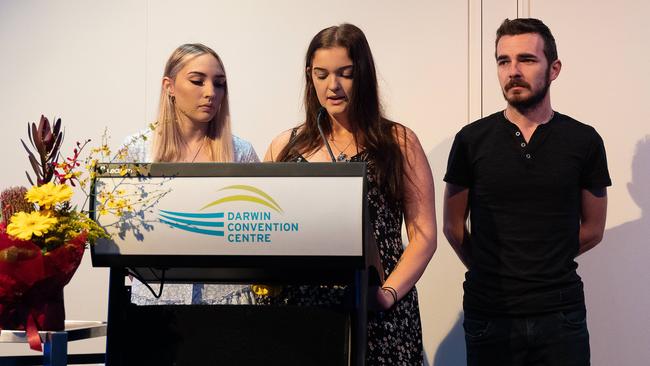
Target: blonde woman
193, 126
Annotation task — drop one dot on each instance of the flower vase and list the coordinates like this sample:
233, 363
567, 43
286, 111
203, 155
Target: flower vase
45, 304
32, 288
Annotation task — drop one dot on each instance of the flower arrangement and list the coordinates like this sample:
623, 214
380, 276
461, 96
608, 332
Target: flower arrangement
42, 236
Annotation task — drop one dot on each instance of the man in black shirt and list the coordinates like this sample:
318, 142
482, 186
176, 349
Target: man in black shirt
533, 182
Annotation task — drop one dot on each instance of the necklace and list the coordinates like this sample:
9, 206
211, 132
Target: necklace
342, 155
548, 120
199, 149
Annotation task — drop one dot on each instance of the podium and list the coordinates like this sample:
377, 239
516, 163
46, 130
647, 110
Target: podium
269, 223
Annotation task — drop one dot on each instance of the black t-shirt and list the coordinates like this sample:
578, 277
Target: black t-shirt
525, 207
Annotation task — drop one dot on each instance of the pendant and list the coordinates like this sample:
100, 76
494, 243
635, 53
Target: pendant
341, 157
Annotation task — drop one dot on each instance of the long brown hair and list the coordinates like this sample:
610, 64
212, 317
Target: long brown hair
379, 135
167, 136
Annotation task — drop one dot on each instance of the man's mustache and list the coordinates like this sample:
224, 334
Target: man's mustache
516, 82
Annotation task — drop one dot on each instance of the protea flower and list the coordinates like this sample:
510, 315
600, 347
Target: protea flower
46, 140
13, 200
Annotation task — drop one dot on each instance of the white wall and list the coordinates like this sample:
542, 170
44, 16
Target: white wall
605, 82
98, 64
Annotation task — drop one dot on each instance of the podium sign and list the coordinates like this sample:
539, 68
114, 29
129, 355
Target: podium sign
229, 215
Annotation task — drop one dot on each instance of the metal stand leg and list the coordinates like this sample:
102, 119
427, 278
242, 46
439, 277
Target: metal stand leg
117, 302
55, 352
360, 318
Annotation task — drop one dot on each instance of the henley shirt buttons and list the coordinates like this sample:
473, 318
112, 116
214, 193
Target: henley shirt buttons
523, 144
527, 156
517, 133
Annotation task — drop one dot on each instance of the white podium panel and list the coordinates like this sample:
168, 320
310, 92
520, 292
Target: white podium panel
290, 209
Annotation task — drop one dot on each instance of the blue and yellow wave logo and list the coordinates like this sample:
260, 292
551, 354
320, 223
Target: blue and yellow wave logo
201, 223
212, 223
263, 198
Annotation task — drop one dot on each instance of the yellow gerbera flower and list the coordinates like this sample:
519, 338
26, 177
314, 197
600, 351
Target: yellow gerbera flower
24, 225
49, 194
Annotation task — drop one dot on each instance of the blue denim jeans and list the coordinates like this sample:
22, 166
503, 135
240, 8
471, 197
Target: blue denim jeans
554, 339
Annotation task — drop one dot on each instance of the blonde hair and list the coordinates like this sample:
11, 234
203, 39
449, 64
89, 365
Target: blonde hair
167, 135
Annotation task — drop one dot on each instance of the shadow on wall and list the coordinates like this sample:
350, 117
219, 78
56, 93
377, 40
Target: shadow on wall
451, 351
617, 276
447, 278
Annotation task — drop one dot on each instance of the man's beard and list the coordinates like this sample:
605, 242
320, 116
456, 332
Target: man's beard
529, 103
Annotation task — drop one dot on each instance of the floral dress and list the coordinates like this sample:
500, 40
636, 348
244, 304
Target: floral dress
395, 335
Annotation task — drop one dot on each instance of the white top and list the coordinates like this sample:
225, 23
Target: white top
139, 149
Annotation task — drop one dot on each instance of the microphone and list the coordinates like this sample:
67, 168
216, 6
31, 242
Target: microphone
321, 112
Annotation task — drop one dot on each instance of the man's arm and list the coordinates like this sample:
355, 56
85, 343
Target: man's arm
454, 221
592, 222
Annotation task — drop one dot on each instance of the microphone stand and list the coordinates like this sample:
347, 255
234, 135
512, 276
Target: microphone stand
321, 113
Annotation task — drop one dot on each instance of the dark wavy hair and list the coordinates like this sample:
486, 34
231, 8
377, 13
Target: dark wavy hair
379, 135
